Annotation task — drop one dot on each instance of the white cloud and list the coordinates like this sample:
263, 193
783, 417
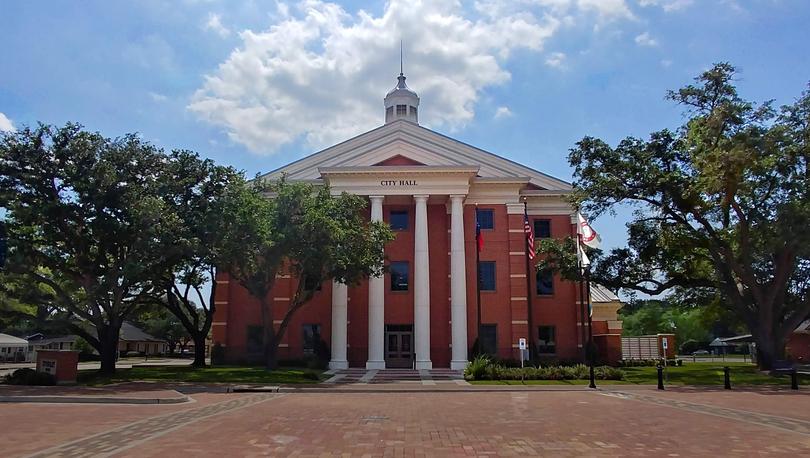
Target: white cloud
646, 40
667, 5
666, 63
319, 74
5, 124
214, 24
158, 97
556, 60
503, 112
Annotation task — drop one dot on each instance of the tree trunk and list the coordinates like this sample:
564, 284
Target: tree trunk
770, 346
269, 337
108, 351
199, 350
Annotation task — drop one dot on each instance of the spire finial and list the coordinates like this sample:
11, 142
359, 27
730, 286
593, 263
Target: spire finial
400, 57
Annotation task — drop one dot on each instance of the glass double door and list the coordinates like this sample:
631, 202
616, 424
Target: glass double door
399, 345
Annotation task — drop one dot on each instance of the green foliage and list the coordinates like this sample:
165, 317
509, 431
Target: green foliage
476, 369
302, 230
85, 219
28, 376
483, 368
722, 206
195, 192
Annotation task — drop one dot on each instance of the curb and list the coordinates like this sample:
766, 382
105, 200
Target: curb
94, 400
316, 390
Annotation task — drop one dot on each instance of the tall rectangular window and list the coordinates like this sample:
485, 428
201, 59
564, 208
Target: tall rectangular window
486, 218
487, 272
253, 345
489, 339
399, 275
312, 335
542, 228
546, 339
545, 282
399, 220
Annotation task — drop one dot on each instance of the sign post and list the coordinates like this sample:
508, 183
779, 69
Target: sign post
665, 345
522, 345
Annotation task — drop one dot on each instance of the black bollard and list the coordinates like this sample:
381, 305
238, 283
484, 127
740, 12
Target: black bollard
726, 378
660, 377
794, 380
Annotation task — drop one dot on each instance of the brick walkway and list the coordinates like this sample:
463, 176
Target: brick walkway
618, 422
132, 434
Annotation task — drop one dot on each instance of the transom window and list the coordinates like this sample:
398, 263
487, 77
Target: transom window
486, 218
399, 220
486, 270
542, 228
399, 275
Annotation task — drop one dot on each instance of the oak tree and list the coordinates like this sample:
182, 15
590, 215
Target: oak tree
722, 205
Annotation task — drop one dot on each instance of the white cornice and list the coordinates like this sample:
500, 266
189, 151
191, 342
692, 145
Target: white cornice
420, 144
398, 170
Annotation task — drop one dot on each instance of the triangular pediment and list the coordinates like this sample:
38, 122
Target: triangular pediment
407, 144
398, 160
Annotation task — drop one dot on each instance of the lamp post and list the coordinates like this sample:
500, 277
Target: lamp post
591, 349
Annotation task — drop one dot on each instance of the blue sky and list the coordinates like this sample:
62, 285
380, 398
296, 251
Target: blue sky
259, 84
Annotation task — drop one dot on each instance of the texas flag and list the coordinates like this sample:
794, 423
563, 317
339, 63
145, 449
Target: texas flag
587, 235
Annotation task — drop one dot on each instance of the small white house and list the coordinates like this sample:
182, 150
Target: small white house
12, 349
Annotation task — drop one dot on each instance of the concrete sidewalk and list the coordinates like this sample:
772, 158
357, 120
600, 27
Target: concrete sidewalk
129, 393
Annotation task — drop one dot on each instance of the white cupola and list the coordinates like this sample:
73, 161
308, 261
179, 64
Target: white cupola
401, 102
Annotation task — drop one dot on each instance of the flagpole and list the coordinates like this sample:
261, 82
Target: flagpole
581, 271
478, 277
590, 328
582, 323
528, 284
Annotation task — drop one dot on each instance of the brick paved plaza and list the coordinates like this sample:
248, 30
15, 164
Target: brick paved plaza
615, 422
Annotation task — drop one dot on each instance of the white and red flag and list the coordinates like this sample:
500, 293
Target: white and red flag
587, 235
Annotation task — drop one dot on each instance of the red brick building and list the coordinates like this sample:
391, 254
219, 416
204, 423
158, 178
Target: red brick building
423, 313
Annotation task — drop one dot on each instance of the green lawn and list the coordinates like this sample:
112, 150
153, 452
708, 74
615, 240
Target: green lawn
218, 374
688, 374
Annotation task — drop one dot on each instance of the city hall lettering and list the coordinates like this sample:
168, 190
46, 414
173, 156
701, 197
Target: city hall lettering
422, 311
397, 182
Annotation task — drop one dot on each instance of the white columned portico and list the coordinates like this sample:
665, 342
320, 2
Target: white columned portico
421, 285
376, 304
458, 284
340, 302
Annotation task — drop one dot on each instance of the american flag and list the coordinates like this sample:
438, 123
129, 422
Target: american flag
527, 228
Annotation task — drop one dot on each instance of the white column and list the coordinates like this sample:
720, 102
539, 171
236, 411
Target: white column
421, 286
376, 304
340, 302
458, 284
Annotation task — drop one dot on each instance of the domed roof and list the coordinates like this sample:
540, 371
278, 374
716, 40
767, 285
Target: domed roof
401, 88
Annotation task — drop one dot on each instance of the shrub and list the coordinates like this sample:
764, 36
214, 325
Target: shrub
608, 373
28, 376
309, 375
316, 363
477, 368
